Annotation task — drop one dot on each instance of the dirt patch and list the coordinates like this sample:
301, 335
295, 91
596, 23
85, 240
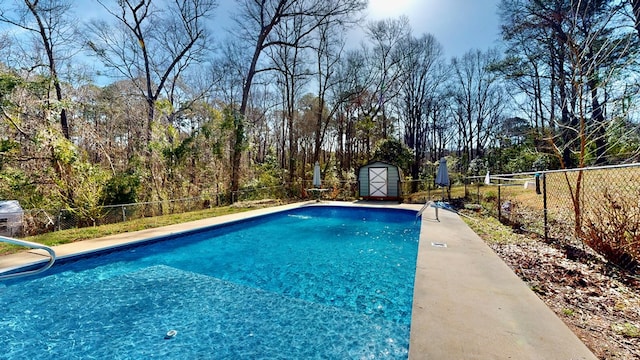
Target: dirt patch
598, 302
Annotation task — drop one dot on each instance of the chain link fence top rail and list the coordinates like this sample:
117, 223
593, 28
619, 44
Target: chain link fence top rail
579, 198
514, 198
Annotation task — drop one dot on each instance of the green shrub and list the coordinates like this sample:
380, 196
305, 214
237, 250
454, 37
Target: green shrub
626, 329
490, 196
122, 188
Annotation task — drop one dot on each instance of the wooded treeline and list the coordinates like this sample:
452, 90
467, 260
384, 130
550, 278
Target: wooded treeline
155, 100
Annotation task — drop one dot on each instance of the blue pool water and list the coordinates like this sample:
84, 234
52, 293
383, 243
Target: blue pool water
315, 282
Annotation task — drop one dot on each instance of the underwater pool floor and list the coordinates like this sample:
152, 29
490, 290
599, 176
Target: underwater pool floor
136, 301
467, 304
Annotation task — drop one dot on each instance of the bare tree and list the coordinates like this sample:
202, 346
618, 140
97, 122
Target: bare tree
540, 25
50, 22
352, 83
5, 42
479, 99
256, 22
577, 44
527, 65
228, 72
599, 49
365, 103
387, 36
328, 48
592, 67
635, 5
423, 74
291, 64
152, 45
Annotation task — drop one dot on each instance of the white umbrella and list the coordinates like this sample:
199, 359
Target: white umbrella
317, 181
487, 179
442, 177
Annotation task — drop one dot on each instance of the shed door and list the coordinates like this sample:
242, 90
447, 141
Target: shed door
377, 181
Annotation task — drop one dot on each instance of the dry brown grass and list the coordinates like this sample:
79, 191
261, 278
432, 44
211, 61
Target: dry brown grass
622, 183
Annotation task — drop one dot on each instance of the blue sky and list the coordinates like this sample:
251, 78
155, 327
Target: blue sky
459, 25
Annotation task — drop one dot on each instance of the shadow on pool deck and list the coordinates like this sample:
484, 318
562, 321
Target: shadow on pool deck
467, 304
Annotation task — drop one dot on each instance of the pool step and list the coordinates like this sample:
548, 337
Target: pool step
131, 314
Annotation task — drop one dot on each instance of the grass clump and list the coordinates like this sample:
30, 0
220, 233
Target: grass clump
493, 231
626, 329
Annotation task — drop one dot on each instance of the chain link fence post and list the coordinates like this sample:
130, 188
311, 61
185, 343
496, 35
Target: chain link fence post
544, 207
499, 202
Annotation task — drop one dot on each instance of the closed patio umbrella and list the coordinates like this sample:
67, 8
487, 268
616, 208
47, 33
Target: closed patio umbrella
317, 181
442, 177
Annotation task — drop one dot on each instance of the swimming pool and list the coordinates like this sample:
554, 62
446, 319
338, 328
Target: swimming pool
314, 282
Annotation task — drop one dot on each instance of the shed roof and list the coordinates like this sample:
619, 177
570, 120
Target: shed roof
379, 162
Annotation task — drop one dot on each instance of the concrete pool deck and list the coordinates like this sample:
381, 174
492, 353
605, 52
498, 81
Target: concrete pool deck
467, 304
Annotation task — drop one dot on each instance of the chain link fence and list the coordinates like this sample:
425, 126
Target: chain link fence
38, 221
597, 206
513, 198
567, 205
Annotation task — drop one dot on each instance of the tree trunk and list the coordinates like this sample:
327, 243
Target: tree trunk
597, 115
48, 45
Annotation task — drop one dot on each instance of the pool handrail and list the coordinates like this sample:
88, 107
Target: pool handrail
13, 275
425, 206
